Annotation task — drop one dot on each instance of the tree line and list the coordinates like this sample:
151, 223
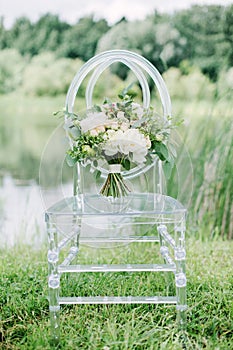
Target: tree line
201, 35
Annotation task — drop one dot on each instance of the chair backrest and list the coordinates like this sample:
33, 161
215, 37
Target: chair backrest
140, 67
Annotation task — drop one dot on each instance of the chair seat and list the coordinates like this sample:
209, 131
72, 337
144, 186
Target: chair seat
101, 221
136, 204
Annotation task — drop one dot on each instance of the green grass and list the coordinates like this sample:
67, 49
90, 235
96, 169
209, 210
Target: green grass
24, 322
208, 136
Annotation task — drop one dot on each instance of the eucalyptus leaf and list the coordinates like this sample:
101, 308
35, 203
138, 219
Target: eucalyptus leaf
107, 101
75, 132
70, 161
125, 91
128, 103
97, 108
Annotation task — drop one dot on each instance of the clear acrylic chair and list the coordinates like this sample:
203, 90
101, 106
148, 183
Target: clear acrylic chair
86, 218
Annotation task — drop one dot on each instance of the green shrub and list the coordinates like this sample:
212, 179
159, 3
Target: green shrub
46, 75
12, 65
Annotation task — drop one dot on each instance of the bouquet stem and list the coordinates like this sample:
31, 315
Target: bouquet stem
114, 185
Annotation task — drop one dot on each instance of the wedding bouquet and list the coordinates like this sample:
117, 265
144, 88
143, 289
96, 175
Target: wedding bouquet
121, 134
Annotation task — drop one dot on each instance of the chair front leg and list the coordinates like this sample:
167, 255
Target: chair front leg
53, 283
180, 276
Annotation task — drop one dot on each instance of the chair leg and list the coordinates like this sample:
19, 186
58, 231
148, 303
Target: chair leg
164, 251
53, 283
181, 306
54, 311
55, 327
180, 276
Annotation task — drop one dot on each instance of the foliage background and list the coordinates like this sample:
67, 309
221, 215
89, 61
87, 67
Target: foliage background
201, 35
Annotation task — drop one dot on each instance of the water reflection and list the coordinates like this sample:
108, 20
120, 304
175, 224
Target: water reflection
22, 211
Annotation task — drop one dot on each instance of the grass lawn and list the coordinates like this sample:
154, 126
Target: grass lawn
24, 321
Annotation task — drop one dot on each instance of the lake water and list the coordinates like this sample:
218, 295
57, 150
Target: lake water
22, 207
33, 152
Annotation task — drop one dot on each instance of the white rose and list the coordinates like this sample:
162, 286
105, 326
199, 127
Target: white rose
130, 141
93, 132
100, 128
137, 144
92, 121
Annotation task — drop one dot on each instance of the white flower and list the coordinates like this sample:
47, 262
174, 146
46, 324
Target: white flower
92, 121
137, 144
130, 141
93, 132
124, 126
97, 130
89, 151
100, 128
112, 124
110, 132
148, 142
121, 115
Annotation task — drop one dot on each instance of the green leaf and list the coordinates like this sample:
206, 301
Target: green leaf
167, 168
74, 132
161, 150
107, 101
70, 160
125, 91
126, 164
97, 174
128, 103
97, 108
164, 150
